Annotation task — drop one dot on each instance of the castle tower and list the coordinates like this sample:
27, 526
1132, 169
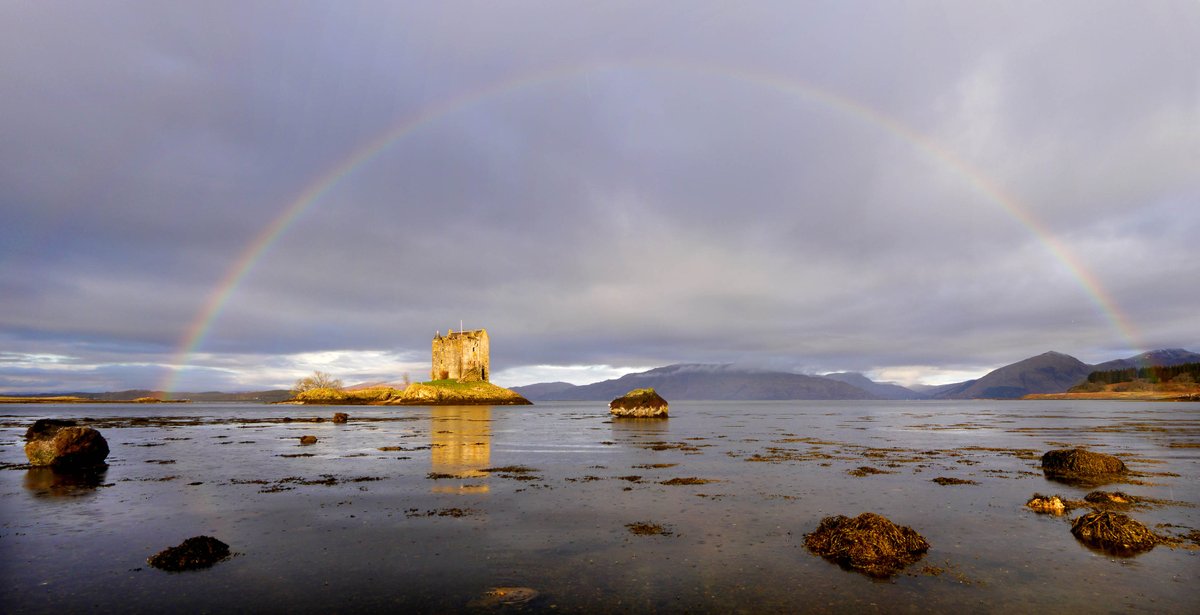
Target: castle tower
461, 355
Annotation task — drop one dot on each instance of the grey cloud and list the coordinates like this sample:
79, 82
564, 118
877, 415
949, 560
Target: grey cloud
613, 184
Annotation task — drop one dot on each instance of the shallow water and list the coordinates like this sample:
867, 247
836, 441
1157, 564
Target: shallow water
343, 526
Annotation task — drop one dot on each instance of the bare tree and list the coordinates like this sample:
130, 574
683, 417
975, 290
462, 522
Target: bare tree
318, 380
406, 380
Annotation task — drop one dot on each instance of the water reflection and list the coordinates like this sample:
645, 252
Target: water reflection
635, 431
462, 447
48, 482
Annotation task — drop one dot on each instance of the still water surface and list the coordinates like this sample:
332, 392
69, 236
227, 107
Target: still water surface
434, 521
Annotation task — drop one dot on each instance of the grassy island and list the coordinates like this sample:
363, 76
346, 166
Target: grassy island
432, 393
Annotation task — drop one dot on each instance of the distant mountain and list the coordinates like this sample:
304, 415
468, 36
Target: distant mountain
1161, 358
882, 390
262, 396
939, 391
544, 390
701, 381
1051, 372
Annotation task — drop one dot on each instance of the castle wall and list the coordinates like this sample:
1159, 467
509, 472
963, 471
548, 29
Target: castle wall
464, 355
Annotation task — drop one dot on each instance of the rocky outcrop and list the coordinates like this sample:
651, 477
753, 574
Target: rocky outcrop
450, 393
639, 403
193, 553
868, 543
63, 444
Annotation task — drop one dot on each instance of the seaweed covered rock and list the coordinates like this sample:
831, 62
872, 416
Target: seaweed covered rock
308, 439
195, 552
639, 403
341, 417
868, 543
1047, 504
1081, 465
63, 444
1114, 533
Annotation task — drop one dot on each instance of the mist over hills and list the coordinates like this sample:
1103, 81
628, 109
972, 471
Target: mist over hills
702, 381
1159, 358
1049, 372
882, 390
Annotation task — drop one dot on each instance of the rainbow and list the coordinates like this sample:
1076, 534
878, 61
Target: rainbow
313, 192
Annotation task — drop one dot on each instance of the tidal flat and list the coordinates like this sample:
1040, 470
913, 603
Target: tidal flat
558, 507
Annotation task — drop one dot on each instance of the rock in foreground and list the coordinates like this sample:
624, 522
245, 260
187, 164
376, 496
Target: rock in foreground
63, 444
1079, 464
639, 403
1113, 532
868, 543
193, 553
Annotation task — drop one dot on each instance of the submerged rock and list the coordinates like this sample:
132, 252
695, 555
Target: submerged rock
1082, 465
193, 553
639, 403
500, 597
1113, 532
868, 543
63, 444
1109, 498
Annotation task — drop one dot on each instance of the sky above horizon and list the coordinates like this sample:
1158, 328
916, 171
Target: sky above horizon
230, 195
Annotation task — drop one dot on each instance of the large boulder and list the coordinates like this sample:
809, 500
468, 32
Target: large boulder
639, 403
63, 444
1081, 465
868, 543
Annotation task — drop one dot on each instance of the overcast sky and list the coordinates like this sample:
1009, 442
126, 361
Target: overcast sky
922, 191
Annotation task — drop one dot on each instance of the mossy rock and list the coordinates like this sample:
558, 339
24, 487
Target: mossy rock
1079, 465
639, 403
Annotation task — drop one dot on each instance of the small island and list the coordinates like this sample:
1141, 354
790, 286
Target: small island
458, 377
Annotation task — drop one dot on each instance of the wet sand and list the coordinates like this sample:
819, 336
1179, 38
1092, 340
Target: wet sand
433, 509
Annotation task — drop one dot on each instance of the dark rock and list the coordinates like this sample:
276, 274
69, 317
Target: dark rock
193, 553
308, 439
868, 543
340, 417
1081, 465
62, 444
639, 403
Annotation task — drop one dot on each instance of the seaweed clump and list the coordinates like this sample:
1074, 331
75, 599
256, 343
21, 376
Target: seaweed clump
868, 543
1113, 533
193, 553
1110, 498
1081, 465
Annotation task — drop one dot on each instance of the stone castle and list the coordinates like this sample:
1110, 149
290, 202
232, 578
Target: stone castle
461, 355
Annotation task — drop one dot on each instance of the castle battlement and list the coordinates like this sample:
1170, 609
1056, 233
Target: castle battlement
461, 355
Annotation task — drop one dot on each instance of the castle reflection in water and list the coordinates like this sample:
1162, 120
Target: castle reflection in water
462, 447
